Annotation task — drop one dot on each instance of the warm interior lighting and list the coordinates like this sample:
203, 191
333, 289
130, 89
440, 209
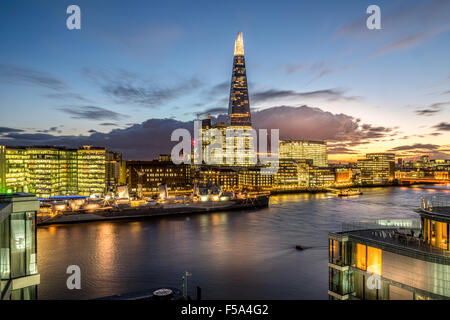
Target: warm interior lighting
361, 258
374, 260
239, 45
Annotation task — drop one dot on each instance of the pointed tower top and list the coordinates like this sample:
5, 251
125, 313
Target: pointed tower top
239, 45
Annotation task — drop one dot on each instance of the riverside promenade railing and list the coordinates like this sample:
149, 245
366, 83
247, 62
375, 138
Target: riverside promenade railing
393, 223
428, 203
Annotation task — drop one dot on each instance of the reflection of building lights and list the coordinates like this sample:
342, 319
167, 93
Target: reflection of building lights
224, 198
203, 198
215, 198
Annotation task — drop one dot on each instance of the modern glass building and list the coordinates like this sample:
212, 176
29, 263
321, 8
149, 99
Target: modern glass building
304, 150
238, 144
398, 259
377, 168
53, 171
18, 249
239, 105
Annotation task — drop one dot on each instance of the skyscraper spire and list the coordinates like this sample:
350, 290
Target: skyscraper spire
239, 45
239, 105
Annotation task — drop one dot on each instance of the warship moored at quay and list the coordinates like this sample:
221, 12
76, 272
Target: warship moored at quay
99, 208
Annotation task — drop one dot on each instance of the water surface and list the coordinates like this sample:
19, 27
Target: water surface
232, 255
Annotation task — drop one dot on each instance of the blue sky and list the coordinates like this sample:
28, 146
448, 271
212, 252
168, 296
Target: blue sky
138, 60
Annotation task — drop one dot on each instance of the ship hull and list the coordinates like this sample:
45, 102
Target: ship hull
155, 211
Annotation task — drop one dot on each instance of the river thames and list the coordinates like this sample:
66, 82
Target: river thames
231, 255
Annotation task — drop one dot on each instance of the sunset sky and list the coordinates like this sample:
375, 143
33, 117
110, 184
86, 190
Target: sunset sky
139, 69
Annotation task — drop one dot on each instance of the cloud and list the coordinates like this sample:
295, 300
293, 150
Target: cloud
407, 26
432, 109
318, 68
106, 124
410, 41
417, 146
443, 126
213, 111
27, 76
427, 14
328, 94
126, 87
340, 150
66, 95
91, 113
52, 129
152, 137
9, 130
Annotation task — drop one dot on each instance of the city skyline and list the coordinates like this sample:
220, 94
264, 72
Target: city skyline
127, 77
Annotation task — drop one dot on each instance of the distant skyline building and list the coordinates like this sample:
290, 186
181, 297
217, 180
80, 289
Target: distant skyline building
239, 104
316, 151
377, 168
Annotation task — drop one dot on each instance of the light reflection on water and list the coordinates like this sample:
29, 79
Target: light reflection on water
236, 255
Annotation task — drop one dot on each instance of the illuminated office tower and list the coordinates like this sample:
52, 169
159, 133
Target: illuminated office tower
240, 143
377, 168
42, 174
91, 170
14, 165
68, 172
304, 150
56, 171
239, 105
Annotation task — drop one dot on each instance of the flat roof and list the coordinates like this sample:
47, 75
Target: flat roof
438, 213
401, 243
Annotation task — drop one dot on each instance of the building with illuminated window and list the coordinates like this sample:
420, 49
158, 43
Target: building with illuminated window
18, 251
397, 259
239, 105
304, 150
292, 175
238, 149
226, 178
52, 171
252, 179
344, 177
147, 176
377, 168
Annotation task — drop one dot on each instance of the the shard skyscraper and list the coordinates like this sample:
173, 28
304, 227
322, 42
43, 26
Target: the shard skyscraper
239, 105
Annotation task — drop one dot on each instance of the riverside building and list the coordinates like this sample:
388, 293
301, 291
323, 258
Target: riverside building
53, 171
377, 168
397, 259
147, 176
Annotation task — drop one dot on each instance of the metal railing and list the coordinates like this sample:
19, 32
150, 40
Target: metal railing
438, 201
382, 224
